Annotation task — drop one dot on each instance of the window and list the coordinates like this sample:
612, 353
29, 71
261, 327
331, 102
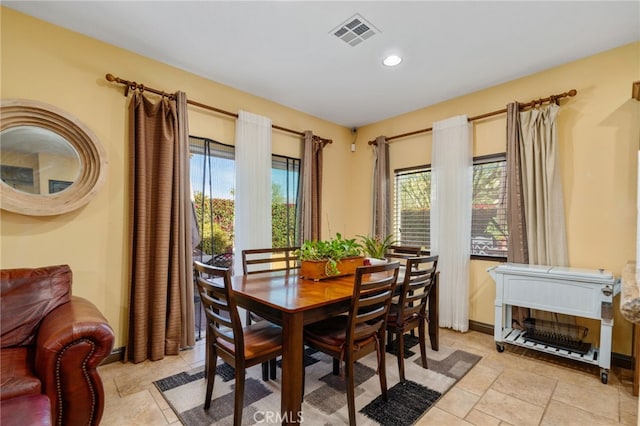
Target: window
412, 208
212, 167
489, 215
285, 175
213, 192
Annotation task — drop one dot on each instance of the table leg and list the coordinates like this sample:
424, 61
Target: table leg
434, 317
292, 365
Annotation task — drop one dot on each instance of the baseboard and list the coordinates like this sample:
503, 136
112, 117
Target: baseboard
622, 361
617, 360
116, 355
480, 327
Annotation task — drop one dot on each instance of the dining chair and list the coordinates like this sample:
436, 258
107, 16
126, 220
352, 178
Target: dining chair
362, 331
224, 260
402, 253
241, 347
410, 310
255, 261
269, 259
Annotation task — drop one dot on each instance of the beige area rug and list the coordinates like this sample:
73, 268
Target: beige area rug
325, 400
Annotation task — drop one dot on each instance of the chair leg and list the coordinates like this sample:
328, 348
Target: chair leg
211, 376
265, 371
336, 367
389, 340
382, 372
272, 369
422, 332
304, 379
400, 334
239, 395
198, 314
351, 398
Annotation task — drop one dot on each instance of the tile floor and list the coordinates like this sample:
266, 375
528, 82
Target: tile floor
516, 387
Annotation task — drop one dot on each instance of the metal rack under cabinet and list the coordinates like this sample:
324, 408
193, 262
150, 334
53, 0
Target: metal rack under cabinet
572, 291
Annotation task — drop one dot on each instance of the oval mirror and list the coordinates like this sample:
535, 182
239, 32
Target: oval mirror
50, 163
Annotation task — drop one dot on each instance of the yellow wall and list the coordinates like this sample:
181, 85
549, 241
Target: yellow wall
599, 134
598, 130
47, 63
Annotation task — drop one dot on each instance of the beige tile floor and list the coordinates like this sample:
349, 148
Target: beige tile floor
516, 387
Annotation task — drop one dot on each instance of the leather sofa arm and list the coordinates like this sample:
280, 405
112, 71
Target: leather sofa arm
72, 341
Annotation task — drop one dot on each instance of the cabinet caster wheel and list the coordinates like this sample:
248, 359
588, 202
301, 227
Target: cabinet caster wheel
499, 347
604, 376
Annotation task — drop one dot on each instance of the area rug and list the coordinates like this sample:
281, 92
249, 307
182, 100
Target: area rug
325, 401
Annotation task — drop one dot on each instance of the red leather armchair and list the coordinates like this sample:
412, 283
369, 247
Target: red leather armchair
50, 346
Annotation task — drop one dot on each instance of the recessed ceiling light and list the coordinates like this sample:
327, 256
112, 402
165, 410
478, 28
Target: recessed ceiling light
392, 60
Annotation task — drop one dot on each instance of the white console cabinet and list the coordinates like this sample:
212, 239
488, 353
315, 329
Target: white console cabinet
579, 292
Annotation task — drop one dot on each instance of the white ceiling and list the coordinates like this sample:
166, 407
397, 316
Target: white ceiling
286, 52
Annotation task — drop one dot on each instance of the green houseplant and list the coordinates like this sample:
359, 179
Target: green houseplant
376, 247
331, 254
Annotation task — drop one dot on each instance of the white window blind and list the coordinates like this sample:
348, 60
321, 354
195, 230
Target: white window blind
412, 207
489, 214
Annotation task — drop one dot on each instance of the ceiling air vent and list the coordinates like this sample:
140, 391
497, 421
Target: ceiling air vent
354, 30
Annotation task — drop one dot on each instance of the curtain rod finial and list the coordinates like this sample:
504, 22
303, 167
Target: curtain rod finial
573, 92
110, 77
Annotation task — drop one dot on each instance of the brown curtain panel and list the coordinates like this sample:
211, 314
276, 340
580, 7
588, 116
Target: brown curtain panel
516, 224
517, 250
381, 226
161, 311
310, 199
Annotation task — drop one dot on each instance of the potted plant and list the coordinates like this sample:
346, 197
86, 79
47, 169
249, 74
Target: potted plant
377, 247
329, 258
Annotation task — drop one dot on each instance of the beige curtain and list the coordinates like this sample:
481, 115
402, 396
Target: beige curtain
161, 315
542, 195
381, 226
185, 227
310, 198
542, 187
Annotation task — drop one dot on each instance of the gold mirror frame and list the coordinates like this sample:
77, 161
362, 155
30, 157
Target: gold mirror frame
93, 163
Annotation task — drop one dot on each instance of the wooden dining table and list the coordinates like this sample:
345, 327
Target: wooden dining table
285, 298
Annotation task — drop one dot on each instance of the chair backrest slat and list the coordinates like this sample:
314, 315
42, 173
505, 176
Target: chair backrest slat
269, 259
419, 277
402, 254
372, 292
214, 286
